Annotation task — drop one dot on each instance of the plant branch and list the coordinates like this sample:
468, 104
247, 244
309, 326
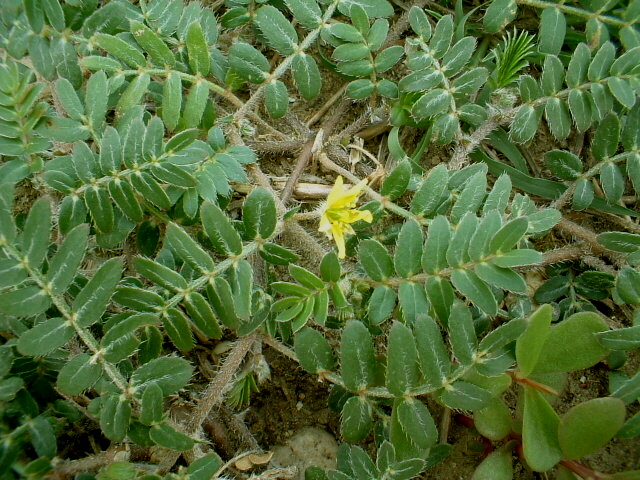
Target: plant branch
578, 12
214, 393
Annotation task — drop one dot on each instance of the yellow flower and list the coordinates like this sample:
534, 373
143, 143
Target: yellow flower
338, 213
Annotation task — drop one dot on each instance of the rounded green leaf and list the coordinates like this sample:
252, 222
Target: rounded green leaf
497, 466
530, 343
540, 432
493, 421
588, 426
572, 345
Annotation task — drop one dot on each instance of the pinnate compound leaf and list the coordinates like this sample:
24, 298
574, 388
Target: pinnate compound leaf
259, 214
307, 12
428, 196
588, 426
69, 99
434, 255
605, 141
276, 98
407, 258
583, 194
518, 258
373, 8
177, 327
118, 48
151, 407
563, 164
277, 255
160, 274
462, 335
381, 303
205, 467
36, 233
525, 124
159, 52
43, 437
553, 26
202, 315
620, 339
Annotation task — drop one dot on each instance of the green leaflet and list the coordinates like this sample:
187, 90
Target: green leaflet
159, 52
357, 418
306, 75
402, 361
357, 356
276, 29
92, 300
198, 50
79, 374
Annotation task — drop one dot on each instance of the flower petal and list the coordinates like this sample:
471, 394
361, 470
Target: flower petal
338, 237
352, 216
336, 192
325, 224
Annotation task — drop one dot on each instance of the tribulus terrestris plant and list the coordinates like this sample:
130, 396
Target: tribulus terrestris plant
429, 207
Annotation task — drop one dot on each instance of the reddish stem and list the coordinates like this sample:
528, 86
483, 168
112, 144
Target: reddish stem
541, 387
583, 471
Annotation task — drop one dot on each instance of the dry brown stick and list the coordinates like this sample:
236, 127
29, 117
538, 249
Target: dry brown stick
312, 144
320, 113
445, 424
301, 164
214, 393
274, 147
